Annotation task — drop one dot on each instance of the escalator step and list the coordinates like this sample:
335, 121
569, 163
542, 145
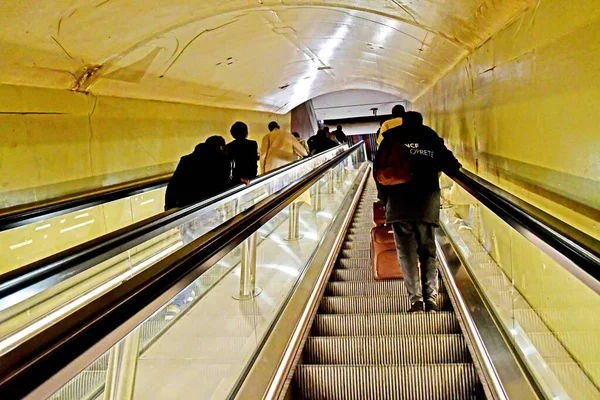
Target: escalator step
386, 350
360, 237
394, 287
355, 274
366, 382
354, 263
443, 322
356, 254
369, 304
375, 288
360, 245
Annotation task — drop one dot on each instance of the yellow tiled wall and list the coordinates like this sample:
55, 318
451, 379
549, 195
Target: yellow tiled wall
55, 136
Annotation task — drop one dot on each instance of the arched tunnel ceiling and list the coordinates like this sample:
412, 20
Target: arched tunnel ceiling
260, 54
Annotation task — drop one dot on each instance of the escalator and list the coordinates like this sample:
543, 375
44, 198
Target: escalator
279, 303
365, 345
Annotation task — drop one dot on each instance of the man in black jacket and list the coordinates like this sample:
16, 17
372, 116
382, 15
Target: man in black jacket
244, 153
413, 208
200, 175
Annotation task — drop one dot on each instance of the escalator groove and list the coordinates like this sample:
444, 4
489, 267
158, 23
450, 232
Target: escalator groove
365, 345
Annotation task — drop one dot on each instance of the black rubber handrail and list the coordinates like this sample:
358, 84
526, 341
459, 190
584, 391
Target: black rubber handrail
578, 252
49, 271
14, 217
84, 335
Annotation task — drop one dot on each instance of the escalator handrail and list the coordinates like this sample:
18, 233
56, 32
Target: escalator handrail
20, 215
88, 332
78, 258
14, 217
576, 251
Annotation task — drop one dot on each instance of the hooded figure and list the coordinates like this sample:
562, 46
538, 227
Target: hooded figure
200, 175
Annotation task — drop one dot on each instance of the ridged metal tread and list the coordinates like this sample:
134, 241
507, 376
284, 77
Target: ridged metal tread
355, 263
394, 287
368, 304
371, 382
356, 254
442, 322
352, 274
386, 350
374, 288
366, 237
356, 244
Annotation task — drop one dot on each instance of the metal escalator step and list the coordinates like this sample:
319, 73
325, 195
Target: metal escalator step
386, 350
394, 287
354, 263
443, 322
370, 304
356, 254
360, 237
375, 288
354, 274
371, 382
356, 245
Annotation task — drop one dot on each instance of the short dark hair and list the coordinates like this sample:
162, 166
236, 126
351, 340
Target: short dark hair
273, 125
326, 129
320, 132
296, 134
239, 130
215, 141
339, 127
398, 111
412, 118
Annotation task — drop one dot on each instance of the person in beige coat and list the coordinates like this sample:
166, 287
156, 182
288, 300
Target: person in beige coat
278, 148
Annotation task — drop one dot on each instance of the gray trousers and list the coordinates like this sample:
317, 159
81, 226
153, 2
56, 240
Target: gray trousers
415, 243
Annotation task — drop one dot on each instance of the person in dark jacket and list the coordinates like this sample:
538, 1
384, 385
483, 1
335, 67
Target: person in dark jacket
340, 135
413, 208
244, 154
321, 142
200, 175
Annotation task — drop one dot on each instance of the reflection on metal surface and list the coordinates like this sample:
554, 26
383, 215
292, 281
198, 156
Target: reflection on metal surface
502, 374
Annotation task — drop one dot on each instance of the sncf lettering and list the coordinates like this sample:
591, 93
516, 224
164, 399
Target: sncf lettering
420, 152
412, 145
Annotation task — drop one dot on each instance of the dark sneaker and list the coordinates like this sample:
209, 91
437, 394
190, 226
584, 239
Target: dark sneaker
417, 307
431, 306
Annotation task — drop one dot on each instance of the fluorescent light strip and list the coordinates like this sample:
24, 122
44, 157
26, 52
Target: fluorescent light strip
17, 338
143, 203
82, 215
39, 228
91, 221
25, 243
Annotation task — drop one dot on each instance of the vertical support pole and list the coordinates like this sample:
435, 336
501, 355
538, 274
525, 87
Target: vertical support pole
330, 186
122, 367
294, 222
248, 287
317, 200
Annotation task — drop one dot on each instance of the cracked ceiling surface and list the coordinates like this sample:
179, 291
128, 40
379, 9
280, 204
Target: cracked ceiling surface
260, 54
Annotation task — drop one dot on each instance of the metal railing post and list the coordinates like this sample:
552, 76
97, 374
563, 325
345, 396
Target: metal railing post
317, 200
248, 288
330, 183
294, 222
122, 367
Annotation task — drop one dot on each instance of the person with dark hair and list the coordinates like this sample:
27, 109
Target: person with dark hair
413, 207
330, 135
200, 175
339, 135
397, 114
321, 142
244, 154
279, 148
